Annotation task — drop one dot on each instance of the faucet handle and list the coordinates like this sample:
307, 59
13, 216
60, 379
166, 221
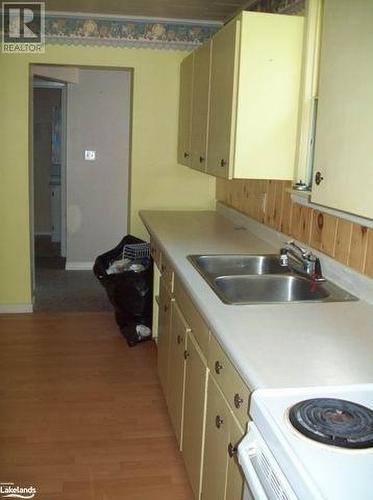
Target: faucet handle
292, 243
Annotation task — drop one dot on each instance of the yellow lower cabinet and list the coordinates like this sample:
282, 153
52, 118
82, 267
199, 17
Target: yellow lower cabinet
222, 478
175, 394
164, 321
235, 477
194, 413
216, 438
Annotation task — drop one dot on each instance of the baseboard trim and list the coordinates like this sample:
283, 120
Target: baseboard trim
15, 308
79, 266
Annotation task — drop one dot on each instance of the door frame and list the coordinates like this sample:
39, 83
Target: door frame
64, 154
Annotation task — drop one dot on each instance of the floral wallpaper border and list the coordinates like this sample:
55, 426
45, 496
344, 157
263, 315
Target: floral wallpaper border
78, 29
98, 30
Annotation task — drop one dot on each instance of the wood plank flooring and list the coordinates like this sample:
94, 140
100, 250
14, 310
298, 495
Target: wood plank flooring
82, 415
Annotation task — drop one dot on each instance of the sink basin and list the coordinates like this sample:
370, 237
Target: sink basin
259, 279
275, 288
219, 265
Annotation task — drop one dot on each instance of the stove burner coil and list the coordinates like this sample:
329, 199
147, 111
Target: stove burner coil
334, 421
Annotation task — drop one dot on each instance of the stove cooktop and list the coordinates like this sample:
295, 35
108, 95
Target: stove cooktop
321, 437
334, 421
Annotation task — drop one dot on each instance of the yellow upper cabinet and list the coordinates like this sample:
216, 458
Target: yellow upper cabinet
200, 106
185, 111
223, 98
344, 147
252, 108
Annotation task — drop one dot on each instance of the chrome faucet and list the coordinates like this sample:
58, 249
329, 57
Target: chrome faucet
307, 262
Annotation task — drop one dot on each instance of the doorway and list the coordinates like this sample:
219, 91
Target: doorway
49, 142
81, 149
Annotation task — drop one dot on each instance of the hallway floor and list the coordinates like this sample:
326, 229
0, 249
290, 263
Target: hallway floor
58, 290
82, 416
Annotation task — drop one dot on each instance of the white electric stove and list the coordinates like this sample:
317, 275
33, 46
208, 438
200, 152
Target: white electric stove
306, 443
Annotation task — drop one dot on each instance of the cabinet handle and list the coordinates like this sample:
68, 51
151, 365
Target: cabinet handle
186, 354
223, 162
179, 339
232, 450
318, 178
237, 400
218, 367
201, 159
219, 421
186, 155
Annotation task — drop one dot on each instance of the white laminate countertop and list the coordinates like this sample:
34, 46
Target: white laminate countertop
272, 346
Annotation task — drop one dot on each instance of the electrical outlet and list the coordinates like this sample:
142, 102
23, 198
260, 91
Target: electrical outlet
89, 155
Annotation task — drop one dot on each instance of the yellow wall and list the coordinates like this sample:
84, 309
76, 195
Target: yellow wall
156, 182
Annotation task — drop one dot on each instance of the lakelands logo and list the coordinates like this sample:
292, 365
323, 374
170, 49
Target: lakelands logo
23, 27
9, 490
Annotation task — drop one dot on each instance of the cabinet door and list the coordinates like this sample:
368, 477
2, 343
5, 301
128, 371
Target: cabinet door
164, 317
200, 106
235, 477
223, 90
194, 413
175, 396
222, 476
185, 110
215, 461
155, 314
344, 146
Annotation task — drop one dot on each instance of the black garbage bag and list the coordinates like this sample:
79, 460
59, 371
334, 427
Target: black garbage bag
130, 291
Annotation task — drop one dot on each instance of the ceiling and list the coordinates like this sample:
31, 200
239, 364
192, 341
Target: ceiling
208, 10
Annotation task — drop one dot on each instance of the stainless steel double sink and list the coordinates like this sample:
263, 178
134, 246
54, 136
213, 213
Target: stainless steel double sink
260, 279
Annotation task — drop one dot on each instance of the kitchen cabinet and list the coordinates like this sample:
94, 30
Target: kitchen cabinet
194, 412
252, 102
175, 393
235, 476
255, 83
164, 326
194, 319
223, 95
200, 106
344, 147
185, 111
222, 478
155, 254
155, 311
187, 383
208, 412
233, 387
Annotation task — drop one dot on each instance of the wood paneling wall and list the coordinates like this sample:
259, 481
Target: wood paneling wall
270, 202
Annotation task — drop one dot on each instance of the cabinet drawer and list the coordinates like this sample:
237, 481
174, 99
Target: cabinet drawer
155, 252
230, 382
167, 273
198, 326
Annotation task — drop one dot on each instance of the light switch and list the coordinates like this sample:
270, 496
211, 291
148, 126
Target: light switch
89, 155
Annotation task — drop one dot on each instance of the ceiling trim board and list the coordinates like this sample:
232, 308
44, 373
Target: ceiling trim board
109, 17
